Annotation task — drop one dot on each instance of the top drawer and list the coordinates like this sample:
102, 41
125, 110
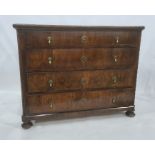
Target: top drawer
70, 39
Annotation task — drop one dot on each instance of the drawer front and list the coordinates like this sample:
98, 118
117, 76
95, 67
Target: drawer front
70, 39
60, 81
80, 59
74, 101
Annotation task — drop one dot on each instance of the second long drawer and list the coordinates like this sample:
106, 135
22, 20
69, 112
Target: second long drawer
77, 80
80, 59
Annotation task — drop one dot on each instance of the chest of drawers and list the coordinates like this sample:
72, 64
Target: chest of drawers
75, 71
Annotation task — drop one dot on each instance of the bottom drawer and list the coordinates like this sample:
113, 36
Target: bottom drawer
76, 101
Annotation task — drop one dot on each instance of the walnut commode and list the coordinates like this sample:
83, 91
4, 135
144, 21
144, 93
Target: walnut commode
76, 71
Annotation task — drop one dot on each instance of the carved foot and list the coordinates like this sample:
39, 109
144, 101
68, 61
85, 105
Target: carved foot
130, 113
26, 125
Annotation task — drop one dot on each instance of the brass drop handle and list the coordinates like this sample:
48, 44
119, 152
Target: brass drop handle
50, 60
49, 38
114, 100
84, 38
50, 102
115, 59
50, 83
51, 105
115, 79
117, 40
83, 59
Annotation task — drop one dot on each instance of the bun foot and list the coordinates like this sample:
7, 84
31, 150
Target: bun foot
130, 113
26, 125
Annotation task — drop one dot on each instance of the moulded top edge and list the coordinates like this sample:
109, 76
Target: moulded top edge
74, 27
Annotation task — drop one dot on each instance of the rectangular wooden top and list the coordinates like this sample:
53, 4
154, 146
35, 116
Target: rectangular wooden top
74, 27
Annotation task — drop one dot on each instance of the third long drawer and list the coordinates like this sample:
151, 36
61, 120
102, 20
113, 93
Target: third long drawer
78, 80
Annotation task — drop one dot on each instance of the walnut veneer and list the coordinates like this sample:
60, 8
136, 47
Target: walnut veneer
73, 71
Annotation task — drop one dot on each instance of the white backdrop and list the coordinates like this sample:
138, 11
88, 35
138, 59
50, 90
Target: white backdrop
114, 126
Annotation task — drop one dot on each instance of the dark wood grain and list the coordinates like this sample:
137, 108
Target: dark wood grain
79, 80
21, 54
76, 101
71, 59
76, 114
93, 69
75, 39
74, 27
